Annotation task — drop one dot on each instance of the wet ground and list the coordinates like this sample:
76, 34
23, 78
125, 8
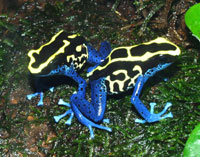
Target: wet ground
28, 130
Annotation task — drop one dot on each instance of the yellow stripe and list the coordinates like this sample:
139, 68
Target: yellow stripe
143, 58
72, 36
43, 65
121, 82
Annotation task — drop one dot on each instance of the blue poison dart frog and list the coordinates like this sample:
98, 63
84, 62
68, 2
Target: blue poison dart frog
124, 68
63, 56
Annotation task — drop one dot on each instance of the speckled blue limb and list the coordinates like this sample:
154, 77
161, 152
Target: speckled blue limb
84, 120
90, 113
71, 72
96, 57
67, 71
140, 107
40, 103
95, 109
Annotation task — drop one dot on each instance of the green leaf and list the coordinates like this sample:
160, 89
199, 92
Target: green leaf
192, 20
193, 144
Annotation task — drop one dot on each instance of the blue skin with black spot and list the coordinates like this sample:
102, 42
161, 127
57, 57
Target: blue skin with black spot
91, 113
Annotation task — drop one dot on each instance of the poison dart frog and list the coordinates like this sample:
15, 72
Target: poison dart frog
124, 68
64, 55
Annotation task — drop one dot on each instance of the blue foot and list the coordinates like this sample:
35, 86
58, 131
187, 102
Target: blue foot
106, 120
166, 79
59, 117
91, 124
30, 96
40, 103
51, 89
88, 123
156, 116
62, 102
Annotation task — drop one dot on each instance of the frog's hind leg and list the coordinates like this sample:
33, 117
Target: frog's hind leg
144, 112
95, 109
88, 123
90, 113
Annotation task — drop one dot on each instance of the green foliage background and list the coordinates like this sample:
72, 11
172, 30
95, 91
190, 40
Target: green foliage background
192, 20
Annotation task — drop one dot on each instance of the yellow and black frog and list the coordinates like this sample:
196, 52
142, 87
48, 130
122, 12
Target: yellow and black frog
126, 67
64, 55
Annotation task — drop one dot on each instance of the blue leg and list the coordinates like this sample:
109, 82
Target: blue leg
96, 57
95, 109
143, 111
90, 113
70, 72
40, 103
85, 121
67, 71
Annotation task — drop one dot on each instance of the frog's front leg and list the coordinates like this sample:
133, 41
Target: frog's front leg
96, 57
90, 113
144, 112
71, 72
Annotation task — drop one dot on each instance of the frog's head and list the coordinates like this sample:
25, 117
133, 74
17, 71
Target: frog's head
62, 49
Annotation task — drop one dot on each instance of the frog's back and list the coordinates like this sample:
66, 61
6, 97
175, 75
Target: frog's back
125, 64
63, 48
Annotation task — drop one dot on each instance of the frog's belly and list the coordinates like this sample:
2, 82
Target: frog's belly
119, 81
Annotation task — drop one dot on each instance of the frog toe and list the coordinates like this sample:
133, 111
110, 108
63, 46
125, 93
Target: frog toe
40, 103
106, 120
30, 96
168, 104
154, 117
69, 121
169, 115
90, 125
62, 102
140, 121
51, 89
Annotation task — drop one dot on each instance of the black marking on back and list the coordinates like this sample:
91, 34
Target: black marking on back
120, 76
153, 47
59, 59
120, 65
119, 53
